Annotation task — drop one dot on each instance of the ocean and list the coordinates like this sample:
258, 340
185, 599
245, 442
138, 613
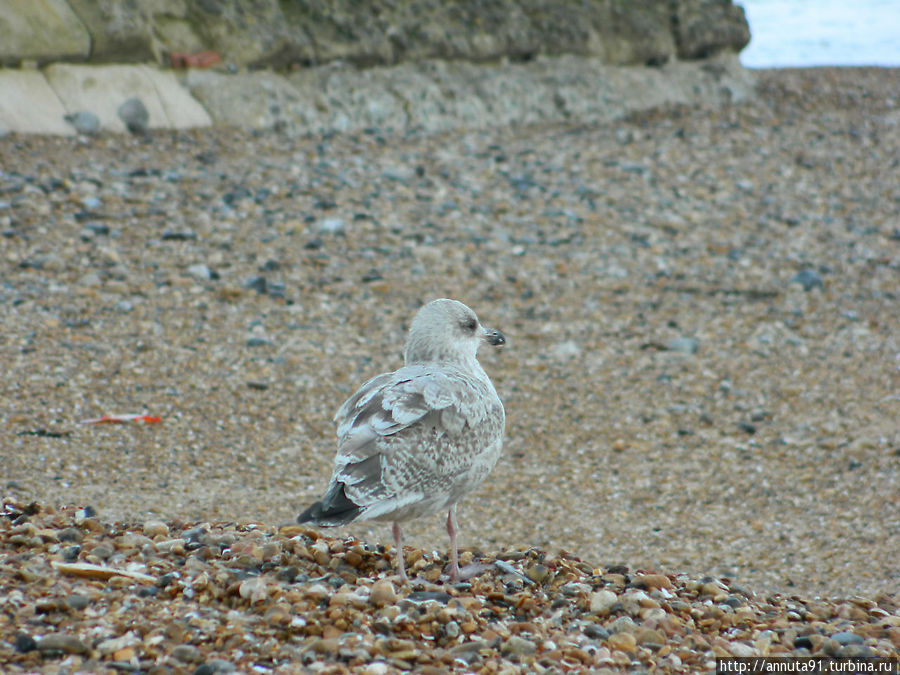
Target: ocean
788, 33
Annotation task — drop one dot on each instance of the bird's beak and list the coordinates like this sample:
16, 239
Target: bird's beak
494, 338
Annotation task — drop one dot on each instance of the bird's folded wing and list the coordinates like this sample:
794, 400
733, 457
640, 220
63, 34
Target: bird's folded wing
390, 403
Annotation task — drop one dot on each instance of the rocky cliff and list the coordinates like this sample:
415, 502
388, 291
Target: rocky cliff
401, 55
283, 33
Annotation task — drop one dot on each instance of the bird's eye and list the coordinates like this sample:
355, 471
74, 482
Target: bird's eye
469, 325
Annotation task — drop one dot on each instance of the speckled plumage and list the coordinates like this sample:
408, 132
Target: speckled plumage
414, 441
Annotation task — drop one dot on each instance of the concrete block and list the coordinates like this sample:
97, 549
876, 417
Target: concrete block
28, 105
182, 110
102, 89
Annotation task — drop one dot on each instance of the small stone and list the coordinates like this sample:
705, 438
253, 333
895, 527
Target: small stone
518, 646
647, 637
199, 272
259, 342
595, 631
155, 528
102, 551
622, 641
178, 235
90, 280
70, 534
685, 345
25, 643
62, 642
601, 601
808, 278
97, 229
741, 649
624, 624
848, 638
77, 601
85, 122
747, 427
652, 581
537, 573
187, 654
383, 593
424, 596
398, 173
118, 644
71, 553
258, 284
468, 651
134, 114
573, 588
332, 225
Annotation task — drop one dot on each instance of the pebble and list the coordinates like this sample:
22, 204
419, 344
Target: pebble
331, 225
134, 114
24, 643
155, 528
537, 573
685, 345
622, 641
200, 272
77, 601
596, 632
652, 581
85, 122
343, 614
383, 593
258, 284
62, 642
187, 654
215, 666
847, 638
518, 646
809, 279
602, 601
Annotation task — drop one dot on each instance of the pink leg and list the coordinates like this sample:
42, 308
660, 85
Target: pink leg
452, 529
398, 544
468, 571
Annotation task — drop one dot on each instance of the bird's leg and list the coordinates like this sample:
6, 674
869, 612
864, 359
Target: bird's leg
398, 544
468, 571
452, 529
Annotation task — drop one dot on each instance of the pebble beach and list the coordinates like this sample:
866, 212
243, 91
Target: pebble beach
701, 382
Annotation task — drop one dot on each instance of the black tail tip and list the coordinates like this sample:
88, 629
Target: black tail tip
333, 510
311, 514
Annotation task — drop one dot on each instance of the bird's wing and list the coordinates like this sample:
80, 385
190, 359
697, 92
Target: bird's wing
390, 403
395, 431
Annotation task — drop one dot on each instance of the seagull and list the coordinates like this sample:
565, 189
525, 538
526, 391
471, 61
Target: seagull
413, 442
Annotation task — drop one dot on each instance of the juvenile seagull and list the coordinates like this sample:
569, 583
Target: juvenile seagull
413, 442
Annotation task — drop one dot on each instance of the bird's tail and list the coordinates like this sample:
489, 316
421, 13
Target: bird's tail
334, 509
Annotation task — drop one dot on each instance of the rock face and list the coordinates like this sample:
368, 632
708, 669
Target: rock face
343, 65
41, 31
436, 96
269, 33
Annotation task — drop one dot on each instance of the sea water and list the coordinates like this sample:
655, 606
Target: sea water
788, 33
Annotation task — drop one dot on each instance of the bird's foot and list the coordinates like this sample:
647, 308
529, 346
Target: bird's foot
468, 572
